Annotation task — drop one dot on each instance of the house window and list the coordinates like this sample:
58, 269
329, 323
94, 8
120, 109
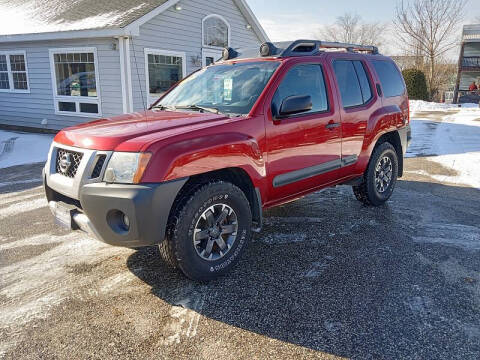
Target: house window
13, 72
75, 81
216, 31
164, 69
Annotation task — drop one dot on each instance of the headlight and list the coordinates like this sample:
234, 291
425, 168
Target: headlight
126, 168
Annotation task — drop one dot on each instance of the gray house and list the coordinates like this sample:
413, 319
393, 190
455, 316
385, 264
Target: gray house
63, 63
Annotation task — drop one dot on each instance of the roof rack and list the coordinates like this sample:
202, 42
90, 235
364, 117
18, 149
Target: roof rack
296, 48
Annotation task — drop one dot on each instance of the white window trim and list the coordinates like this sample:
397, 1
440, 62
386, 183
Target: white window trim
183, 55
76, 99
207, 52
203, 32
10, 72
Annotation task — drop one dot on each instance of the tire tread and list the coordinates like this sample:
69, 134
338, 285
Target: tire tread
365, 192
168, 248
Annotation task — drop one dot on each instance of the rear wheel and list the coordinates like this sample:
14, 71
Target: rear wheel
380, 177
209, 231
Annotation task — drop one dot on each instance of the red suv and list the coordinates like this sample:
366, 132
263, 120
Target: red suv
255, 130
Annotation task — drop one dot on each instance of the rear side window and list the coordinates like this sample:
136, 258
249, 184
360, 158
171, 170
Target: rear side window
353, 82
390, 77
348, 83
303, 80
363, 79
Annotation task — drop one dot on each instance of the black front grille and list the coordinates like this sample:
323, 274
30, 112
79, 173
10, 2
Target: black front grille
97, 170
67, 162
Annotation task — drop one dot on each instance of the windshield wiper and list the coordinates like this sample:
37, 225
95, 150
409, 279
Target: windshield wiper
165, 107
200, 108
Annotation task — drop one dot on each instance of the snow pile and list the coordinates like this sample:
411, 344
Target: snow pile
422, 106
17, 148
451, 137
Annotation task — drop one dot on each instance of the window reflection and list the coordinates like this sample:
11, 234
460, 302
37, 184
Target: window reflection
232, 88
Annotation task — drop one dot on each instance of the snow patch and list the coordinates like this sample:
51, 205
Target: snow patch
115, 281
35, 286
422, 106
26, 19
451, 137
21, 195
22, 207
17, 148
281, 239
319, 267
20, 182
184, 316
461, 236
13, 200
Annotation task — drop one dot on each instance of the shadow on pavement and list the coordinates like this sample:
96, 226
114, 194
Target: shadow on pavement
332, 275
20, 178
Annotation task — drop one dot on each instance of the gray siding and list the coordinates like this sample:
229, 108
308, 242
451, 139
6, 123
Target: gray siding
182, 31
30, 108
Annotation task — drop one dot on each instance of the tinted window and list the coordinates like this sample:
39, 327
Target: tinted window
390, 77
348, 83
363, 79
303, 80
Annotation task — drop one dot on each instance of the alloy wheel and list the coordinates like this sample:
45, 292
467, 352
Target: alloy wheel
383, 174
215, 232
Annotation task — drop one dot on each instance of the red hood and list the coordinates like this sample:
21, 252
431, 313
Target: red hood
108, 134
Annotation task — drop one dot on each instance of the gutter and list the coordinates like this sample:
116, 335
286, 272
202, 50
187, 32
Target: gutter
66, 35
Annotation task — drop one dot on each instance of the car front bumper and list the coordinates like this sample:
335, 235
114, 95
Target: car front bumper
101, 210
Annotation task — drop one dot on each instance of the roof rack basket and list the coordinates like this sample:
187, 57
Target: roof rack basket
312, 47
295, 48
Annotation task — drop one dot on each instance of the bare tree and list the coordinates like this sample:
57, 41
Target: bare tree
350, 28
428, 27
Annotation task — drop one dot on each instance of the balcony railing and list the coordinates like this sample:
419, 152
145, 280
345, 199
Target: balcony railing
471, 62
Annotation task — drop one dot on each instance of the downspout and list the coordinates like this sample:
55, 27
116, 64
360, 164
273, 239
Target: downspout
129, 74
125, 74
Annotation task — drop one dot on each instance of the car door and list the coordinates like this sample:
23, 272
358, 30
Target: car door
303, 150
358, 103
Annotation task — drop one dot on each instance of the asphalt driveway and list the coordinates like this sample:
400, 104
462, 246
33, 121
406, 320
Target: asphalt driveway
327, 278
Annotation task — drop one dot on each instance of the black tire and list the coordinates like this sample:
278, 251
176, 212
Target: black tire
167, 253
179, 250
368, 192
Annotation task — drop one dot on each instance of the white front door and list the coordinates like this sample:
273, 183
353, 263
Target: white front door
209, 56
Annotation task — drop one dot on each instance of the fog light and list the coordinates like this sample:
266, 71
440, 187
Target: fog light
118, 221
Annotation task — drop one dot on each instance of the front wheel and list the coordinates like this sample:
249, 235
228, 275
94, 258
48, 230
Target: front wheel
209, 231
380, 177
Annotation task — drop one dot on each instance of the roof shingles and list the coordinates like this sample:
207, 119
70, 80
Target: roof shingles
39, 16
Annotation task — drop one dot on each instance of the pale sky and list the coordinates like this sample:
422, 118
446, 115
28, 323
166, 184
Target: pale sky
289, 20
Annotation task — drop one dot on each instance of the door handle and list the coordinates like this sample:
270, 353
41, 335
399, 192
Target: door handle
332, 125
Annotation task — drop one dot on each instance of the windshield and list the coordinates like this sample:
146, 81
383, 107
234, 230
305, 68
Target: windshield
226, 88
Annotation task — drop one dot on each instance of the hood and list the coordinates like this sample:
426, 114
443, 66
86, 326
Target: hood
107, 134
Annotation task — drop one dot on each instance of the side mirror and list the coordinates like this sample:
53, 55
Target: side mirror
295, 105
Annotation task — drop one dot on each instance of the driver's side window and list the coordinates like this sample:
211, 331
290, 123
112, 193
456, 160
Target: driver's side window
301, 80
